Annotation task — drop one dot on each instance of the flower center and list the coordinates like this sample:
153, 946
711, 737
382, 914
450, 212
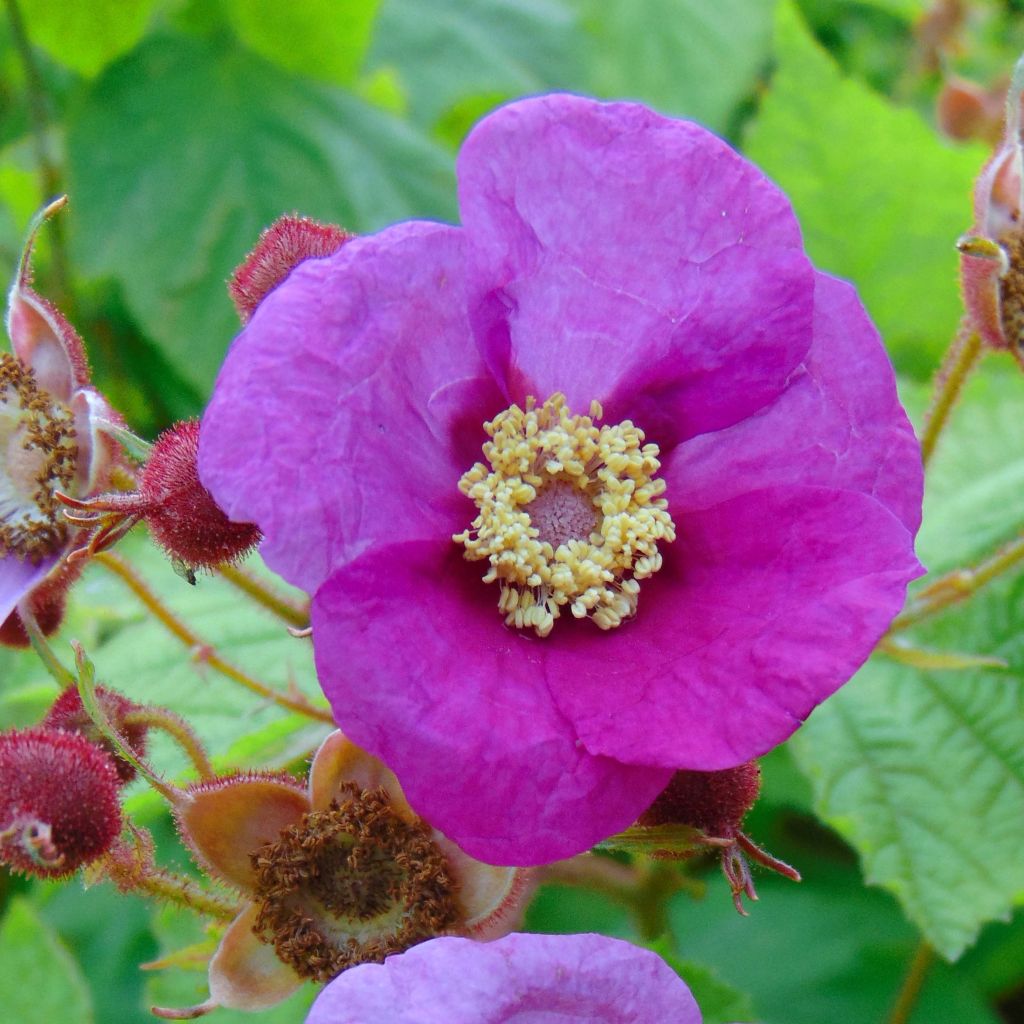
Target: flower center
351, 885
569, 514
38, 452
1011, 290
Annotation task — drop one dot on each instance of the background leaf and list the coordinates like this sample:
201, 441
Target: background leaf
923, 772
86, 35
40, 980
880, 198
321, 38
445, 51
195, 145
671, 53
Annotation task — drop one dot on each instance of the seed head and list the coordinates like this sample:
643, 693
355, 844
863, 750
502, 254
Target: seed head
714, 802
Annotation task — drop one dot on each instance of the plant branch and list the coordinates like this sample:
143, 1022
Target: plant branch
120, 568
912, 984
958, 585
293, 612
960, 359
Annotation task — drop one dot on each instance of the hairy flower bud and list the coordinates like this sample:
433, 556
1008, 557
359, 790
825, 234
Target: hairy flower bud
180, 512
281, 248
68, 713
59, 803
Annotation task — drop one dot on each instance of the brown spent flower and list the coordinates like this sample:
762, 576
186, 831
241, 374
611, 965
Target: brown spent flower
336, 873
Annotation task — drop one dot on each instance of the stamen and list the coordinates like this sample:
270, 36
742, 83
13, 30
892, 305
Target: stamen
351, 885
569, 515
39, 452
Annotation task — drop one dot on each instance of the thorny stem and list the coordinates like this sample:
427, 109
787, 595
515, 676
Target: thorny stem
183, 891
294, 613
133, 870
912, 984
49, 175
961, 357
119, 567
160, 718
958, 585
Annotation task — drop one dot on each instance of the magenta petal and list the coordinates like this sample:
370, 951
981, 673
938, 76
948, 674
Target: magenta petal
598, 235
329, 426
420, 670
769, 602
839, 424
522, 978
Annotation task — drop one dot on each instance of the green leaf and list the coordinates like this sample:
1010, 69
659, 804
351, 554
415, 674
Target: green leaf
824, 950
40, 979
881, 199
684, 57
182, 153
923, 773
88, 34
448, 50
719, 1003
320, 38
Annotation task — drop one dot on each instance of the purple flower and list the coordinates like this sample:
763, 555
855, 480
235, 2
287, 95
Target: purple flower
520, 978
535, 681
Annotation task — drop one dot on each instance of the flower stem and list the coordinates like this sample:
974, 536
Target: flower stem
42, 648
49, 176
958, 585
912, 984
119, 567
132, 869
293, 612
179, 731
960, 359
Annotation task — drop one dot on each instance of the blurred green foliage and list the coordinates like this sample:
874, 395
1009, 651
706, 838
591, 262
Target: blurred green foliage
181, 128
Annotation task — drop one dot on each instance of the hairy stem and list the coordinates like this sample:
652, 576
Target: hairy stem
294, 613
119, 567
912, 984
179, 731
960, 359
958, 585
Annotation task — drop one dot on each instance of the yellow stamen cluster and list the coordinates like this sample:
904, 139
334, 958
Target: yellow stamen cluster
569, 514
39, 454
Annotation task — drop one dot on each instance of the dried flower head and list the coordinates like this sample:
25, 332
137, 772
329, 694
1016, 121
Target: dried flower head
337, 873
59, 804
992, 252
52, 432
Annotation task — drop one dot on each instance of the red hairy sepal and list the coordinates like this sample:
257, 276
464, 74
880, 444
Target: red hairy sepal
281, 248
59, 806
68, 713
